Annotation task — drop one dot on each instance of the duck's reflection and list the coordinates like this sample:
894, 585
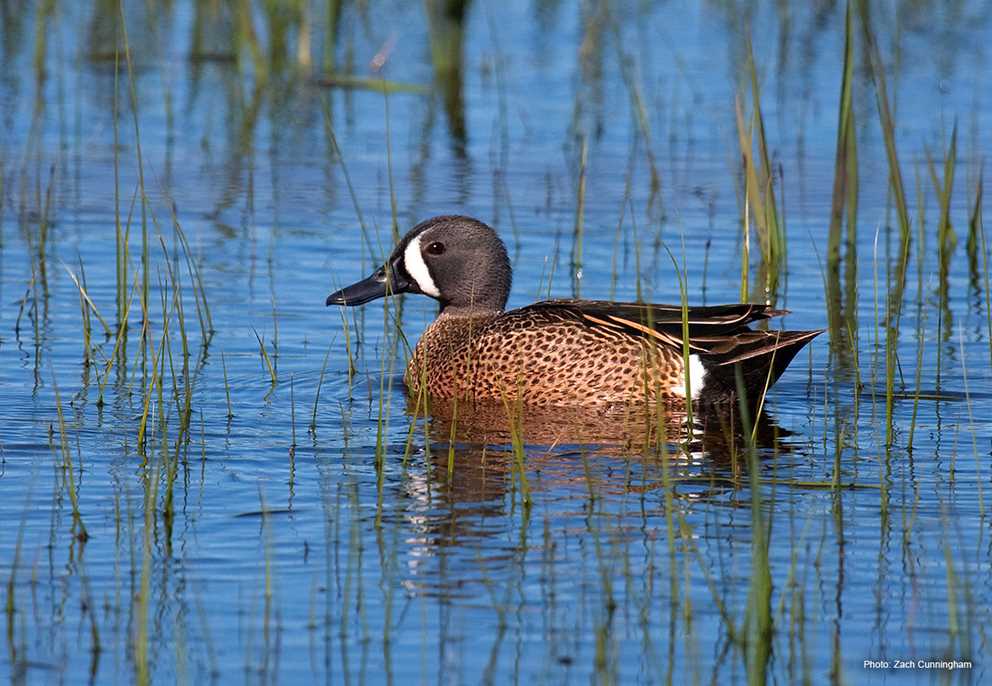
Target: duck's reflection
713, 432
468, 495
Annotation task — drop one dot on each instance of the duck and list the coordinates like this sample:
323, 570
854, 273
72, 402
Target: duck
568, 352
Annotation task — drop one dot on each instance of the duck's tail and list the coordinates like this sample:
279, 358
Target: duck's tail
761, 356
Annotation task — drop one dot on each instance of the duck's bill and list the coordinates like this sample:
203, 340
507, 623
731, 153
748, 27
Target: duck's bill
376, 286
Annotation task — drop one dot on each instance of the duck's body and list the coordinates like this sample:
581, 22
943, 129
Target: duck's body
575, 352
564, 352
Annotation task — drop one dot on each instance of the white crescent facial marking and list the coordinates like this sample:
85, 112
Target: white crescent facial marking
697, 377
417, 268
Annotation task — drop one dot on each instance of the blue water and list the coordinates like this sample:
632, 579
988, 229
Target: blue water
291, 555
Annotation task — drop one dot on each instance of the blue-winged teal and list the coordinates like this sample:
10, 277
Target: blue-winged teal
562, 352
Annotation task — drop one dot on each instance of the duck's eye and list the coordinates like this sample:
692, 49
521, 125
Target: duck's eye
435, 248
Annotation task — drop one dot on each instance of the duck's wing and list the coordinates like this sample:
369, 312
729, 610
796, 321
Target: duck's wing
719, 334
710, 326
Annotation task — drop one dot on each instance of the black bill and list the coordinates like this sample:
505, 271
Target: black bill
380, 284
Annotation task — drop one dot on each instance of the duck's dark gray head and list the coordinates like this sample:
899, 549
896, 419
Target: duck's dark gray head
457, 260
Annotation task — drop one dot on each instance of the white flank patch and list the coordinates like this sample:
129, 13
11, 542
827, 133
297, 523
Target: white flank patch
417, 268
697, 377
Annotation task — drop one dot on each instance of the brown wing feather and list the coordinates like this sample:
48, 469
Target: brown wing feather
659, 320
719, 334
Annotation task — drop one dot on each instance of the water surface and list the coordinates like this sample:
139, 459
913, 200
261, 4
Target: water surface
310, 538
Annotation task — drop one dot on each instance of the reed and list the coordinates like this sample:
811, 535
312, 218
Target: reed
452, 435
352, 370
227, 387
973, 245
133, 99
120, 237
142, 600
876, 320
680, 275
920, 334
668, 491
420, 410
87, 338
579, 228
745, 290
893, 318
973, 428
247, 41
268, 583
16, 654
196, 277
979, 225
946, 236
446, 20
154, 384
393, 209
266, 363
66, 467
628, 72
339, 158
118, 353
757, 630
513, 405
844, 196
333, 18
618, 235
887, 121
759, 190
320, 384
381, 422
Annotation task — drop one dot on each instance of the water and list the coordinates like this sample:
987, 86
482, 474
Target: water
262, 560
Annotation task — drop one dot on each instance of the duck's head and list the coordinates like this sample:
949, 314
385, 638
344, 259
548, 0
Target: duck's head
458, 261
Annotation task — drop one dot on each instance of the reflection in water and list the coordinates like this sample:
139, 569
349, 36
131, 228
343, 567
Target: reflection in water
446, 19
470, 483
715, 433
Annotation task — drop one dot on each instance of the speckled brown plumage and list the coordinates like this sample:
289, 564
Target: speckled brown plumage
543, 359
582, 353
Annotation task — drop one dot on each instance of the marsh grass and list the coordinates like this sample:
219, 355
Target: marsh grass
946, 244
580, 215
227, 387
759, 189
142, 599
513, 405
320, 384
68, 470
972, 427
887, 120
894, 301
16, 650
920, 321
841, 314
133, 101
680, 275
667, 458
757, 628
446, 24
267, 364
629, 74
978, 253
199, 292
988, 287
381, 426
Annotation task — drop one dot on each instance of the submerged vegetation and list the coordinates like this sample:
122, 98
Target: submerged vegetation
180, 182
